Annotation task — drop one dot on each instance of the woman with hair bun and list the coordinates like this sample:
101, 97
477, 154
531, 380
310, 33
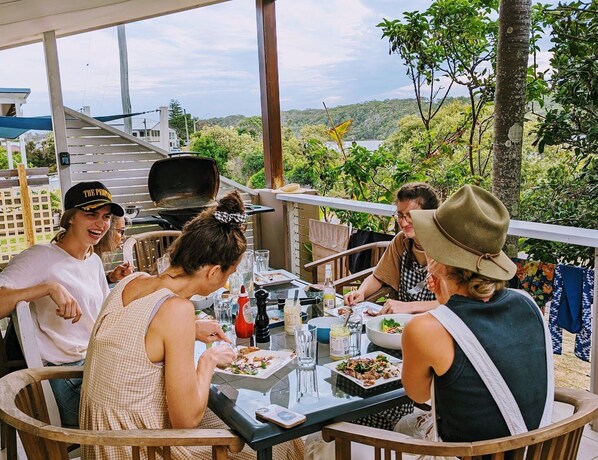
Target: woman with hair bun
157, 384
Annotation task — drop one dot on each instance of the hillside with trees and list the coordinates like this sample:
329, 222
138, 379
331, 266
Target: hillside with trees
371, 119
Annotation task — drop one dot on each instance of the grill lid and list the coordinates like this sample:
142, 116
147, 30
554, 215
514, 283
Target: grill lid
184, 182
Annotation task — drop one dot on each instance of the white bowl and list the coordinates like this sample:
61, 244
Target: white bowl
385, 339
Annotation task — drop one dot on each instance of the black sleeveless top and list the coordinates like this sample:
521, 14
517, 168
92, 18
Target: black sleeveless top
510, 330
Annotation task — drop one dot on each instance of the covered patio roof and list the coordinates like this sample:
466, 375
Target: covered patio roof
24, 21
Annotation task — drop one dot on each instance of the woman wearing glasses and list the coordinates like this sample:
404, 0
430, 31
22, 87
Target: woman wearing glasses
112, 241
403, 266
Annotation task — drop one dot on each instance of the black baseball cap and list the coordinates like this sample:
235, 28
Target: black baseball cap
89, 196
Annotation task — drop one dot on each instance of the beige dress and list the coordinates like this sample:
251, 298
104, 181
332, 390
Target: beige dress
122, 389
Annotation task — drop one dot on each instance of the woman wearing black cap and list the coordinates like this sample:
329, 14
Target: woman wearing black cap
64, 280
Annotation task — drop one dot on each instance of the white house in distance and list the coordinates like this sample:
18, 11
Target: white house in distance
11, 102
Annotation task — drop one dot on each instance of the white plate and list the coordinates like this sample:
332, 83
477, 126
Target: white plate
273, 277
360, 308
202, 302
279, 360
381, 381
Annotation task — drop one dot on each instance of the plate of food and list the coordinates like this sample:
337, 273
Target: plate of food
367, 309
257, 363
273, 277
370, 370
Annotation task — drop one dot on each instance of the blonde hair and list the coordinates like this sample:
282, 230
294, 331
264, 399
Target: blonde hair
107, 244
65, 223
478, 286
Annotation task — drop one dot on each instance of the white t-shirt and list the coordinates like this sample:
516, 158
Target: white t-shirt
58, 339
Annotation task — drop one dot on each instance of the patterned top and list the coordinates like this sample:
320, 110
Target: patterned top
129, 393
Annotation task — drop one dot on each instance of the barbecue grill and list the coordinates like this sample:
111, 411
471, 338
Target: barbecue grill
182, 187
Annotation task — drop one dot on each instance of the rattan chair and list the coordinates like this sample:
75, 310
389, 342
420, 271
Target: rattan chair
341, 275
144, 249
560, 440
22, 406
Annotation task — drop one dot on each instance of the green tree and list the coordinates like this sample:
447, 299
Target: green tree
43, 155
16, 158
178, 119
452, 40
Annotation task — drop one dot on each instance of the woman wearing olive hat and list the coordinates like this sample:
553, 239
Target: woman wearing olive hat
64, 280
468, 272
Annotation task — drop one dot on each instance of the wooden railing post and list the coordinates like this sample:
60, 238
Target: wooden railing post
26, 206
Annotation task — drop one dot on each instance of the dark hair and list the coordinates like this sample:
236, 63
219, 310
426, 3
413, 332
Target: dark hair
426, 197
421, 192
210, 238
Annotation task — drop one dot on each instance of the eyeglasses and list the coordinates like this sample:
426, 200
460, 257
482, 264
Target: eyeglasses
400, 216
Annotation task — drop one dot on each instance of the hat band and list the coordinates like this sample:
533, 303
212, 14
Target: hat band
482, 255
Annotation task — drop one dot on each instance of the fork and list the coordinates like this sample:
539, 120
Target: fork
419, 287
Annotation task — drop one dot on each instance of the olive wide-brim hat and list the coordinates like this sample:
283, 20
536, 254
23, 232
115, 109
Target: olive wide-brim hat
467, 231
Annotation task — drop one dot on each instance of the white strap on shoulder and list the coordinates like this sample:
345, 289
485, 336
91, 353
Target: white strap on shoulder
484, 366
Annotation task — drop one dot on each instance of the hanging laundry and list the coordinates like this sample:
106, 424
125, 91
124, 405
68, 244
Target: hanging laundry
535, 277
571, 308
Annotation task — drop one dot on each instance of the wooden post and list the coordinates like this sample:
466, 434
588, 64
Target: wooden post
268, 65
57, 105
26, 205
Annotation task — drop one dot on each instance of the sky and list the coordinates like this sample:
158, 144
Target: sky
328, 50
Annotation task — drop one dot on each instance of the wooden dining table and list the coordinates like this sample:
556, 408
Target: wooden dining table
235, 398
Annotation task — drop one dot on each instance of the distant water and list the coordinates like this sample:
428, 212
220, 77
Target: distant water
371, 144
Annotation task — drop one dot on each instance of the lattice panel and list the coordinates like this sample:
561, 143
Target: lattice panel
12, 227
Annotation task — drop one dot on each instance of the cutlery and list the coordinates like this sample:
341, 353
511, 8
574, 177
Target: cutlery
419, 287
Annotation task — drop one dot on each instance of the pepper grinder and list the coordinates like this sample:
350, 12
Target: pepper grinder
262, 322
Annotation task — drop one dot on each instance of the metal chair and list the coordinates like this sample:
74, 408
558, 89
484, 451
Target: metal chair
340, 269
144, 249
22, 406
560, 440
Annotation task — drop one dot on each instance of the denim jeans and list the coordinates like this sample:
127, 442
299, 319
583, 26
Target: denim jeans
68, 394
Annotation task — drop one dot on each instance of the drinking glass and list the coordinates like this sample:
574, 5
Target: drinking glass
306, 345
262, 260
355, 326
245, 271
223, 309
307, 386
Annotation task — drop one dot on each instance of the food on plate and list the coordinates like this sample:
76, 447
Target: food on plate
246, 350
249, 365
369, 370
391, 326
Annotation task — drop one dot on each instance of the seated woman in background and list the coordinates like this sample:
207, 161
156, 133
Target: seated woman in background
156, 384
468, 272
64, 280
112, 241
403, 265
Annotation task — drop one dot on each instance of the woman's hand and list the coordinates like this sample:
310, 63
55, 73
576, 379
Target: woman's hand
395, 306
353, 297
209, 331
67, 306
120, 272
221, 355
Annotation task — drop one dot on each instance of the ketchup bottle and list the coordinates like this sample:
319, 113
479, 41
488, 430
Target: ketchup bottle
243, 328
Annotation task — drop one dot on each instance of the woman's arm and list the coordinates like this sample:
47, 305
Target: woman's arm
427, 348
67, 306
187, 386
369, 286
397, 306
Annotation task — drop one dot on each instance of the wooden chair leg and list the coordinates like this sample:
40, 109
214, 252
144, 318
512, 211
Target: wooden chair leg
9, 441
